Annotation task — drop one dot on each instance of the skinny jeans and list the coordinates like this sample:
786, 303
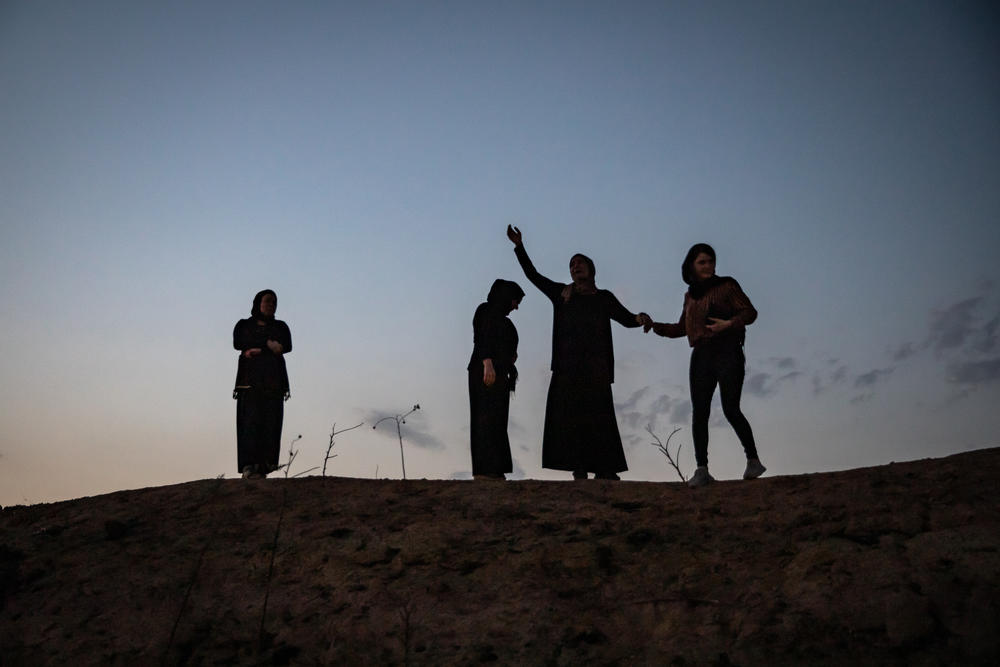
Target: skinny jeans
718, 363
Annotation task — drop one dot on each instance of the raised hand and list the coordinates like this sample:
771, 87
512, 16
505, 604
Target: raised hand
514, 234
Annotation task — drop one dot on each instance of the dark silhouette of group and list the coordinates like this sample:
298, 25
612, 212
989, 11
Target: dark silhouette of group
581, 432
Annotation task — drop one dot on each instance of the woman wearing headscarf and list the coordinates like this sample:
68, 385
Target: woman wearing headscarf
261, 386
581, 432
492, 376
714, 318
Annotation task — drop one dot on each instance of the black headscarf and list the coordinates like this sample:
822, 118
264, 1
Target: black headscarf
255, 309
503, 292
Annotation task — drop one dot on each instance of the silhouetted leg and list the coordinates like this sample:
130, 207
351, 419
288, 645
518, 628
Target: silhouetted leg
731, 371
702, 379
489, 409
273, 409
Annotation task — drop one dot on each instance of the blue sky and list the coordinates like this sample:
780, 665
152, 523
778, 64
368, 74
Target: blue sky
161, 163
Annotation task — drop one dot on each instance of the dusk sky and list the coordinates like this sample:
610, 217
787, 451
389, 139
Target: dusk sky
160, 163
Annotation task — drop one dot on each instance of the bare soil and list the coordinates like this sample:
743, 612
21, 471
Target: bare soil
892, 565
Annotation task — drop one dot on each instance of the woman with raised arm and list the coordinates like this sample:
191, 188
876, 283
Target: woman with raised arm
714, 318
492, 376
581, 432
261, 386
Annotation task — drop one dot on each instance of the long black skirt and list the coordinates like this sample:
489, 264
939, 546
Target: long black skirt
489, 408
258, 430
581, 431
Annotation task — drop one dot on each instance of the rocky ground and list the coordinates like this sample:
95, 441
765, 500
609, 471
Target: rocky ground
897, 564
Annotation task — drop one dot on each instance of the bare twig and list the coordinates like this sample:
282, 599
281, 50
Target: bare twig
400, 419
334, 432
292, 453
664, 449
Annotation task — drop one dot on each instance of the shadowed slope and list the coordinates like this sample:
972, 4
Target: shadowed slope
897, 564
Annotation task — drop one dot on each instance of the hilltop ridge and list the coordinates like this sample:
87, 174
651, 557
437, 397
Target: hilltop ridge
895, 564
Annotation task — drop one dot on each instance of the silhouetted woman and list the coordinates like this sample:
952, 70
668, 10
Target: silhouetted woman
261, 386
714, 319
492, 376
581, 432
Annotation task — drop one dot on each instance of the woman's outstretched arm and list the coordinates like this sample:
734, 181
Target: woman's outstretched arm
549, 288
668, 330
624, 316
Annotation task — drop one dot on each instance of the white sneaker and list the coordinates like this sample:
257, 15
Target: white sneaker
700, 477
754, 469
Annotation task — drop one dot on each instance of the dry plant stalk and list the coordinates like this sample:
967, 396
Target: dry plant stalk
292, 453
400, 419
664, 449
329, 447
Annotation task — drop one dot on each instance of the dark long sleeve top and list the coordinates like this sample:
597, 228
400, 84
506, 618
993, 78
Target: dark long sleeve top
581, 326
494, 337
265, 371
725, 301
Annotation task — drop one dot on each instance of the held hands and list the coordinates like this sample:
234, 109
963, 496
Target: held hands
514, 234
274, 346
645, 320
489, 375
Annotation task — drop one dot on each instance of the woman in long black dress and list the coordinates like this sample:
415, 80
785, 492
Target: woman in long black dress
261, 386
492, 376
581, 432
714, 319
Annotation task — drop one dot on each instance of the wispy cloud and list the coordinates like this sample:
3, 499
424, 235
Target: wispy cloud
766, 384
784, 362
974, 372
951, 327
987, 341
873, 376
414, 429
632, 401
902, 351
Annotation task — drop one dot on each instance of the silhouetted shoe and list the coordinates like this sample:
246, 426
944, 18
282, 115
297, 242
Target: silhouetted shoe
490, 476
700, 477
608, 475
754, 469
579, 474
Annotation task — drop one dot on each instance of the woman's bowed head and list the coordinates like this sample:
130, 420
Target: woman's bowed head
505, 296
492, 376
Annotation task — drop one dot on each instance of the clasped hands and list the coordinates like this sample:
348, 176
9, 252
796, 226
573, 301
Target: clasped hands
272, 345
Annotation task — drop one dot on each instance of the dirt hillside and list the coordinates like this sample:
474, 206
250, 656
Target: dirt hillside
897, 564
